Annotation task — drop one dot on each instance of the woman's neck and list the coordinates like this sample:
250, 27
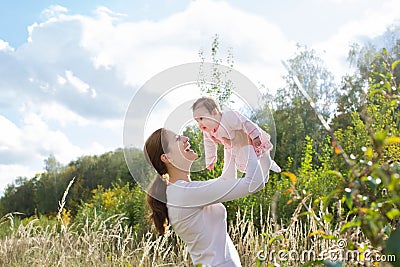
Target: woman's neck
176, 174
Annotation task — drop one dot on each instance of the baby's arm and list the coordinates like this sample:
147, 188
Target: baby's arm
210, 151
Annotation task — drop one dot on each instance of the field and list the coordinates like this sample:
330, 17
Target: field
40, 242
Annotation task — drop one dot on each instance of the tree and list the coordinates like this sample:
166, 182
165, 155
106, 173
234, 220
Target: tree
50, 186
19, 197
294, 117
220, 87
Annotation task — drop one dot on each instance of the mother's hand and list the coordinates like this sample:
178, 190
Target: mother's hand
241, 139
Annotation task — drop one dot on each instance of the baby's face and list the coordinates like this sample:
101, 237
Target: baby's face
205, 120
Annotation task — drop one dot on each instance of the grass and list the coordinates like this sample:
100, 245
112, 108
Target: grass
103, 244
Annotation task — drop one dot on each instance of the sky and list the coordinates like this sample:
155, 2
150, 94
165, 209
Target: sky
70, 69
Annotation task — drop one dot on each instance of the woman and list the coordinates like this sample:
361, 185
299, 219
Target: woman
194, 208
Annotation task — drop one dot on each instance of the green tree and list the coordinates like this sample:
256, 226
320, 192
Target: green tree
220, 87
294, 117
50, 186
19, 197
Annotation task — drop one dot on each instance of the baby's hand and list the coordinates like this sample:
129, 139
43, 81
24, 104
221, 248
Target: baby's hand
227, 142
257, 141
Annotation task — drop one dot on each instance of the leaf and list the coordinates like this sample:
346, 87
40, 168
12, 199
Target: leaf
336, 173
291, 176
318, 232
333, 192
330, 237
364, 210
369, 152
351, 224
272, 240
288, 191
393, 213
394, 64
328, 217
337, 149
380, 138
392, 140
348, 199
306, 213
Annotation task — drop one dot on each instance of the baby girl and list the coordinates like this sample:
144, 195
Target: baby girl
219, 127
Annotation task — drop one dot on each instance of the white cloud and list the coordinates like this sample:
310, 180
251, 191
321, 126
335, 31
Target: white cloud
142, 49
9, 134
53, 11
11, 171
24, 148
77, 83
58, 113
4, 46
373, 23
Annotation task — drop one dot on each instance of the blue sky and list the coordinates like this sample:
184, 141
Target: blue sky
69, 68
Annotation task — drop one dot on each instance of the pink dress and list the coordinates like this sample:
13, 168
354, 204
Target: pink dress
230, 122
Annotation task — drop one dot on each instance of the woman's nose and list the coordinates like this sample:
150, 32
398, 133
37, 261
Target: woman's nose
185, 138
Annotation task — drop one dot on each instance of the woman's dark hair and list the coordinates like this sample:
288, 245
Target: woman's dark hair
155, 146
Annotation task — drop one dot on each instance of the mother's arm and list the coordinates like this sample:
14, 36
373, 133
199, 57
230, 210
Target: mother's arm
201, 193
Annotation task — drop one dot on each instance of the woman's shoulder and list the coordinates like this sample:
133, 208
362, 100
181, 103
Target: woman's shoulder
189, 184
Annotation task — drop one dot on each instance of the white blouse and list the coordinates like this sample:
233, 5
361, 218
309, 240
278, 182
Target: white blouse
198, 217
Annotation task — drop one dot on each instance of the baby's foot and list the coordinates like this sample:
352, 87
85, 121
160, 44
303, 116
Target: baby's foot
274, 167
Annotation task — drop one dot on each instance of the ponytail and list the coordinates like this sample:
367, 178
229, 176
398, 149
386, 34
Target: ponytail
159, 214
155, 146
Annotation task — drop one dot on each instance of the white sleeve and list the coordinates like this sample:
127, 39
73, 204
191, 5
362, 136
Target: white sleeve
229, 169
202, 193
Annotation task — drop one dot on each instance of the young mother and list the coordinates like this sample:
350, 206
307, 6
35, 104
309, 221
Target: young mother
194, 208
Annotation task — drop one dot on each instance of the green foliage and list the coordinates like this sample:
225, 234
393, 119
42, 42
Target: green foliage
106, 204
41, 194
19, 197
371, 180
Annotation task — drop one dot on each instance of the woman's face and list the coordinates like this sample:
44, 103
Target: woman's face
179, 153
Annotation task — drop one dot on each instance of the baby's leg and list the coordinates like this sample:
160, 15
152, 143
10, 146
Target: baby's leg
266, 164
266, 146
240, 156
229, 169
275, 167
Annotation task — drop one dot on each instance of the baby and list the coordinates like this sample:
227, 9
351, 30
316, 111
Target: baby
219, 128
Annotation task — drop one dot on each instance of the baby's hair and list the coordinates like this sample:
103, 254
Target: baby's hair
208, 102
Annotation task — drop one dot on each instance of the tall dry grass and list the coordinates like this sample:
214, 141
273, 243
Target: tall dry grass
99, 244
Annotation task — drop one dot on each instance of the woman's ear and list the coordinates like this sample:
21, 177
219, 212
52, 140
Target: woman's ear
164, 158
